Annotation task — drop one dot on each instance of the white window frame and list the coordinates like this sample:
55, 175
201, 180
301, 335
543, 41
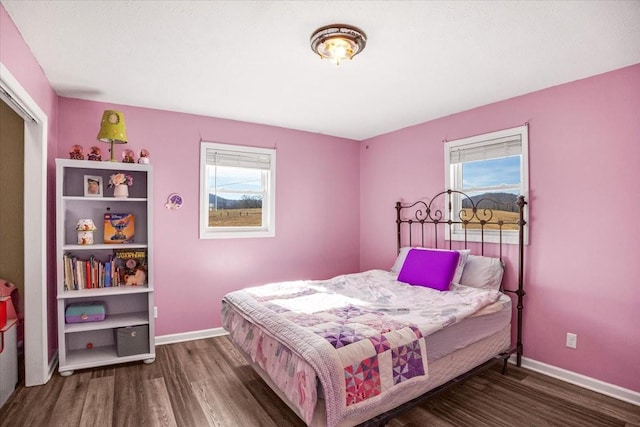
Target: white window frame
268, 228
453, 178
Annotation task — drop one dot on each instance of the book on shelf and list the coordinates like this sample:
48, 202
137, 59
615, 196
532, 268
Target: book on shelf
132, 266
125, 267
82, 273
108, 273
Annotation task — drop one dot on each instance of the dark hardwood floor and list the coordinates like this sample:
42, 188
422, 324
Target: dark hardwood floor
207, 383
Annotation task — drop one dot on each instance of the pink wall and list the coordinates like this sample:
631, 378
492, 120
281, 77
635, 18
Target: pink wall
581, 265
17, 57
317, 207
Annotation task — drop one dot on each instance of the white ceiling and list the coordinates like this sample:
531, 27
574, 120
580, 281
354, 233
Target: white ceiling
251, 61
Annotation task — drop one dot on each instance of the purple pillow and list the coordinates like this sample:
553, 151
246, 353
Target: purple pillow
432, 269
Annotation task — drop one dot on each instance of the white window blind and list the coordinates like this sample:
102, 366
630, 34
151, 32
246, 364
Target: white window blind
239, 180
492, 149
240, 159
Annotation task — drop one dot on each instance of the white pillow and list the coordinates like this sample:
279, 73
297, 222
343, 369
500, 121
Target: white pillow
462, 261
457, 276
482, 272
402, 255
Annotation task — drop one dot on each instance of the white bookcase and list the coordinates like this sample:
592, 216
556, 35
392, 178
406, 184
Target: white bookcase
91, 344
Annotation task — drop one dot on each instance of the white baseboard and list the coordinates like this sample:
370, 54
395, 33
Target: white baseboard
190, 336
53, 365
580, 380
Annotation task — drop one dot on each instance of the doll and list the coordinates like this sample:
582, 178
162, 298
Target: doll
77, 152
95, 154
144, 156
127, 156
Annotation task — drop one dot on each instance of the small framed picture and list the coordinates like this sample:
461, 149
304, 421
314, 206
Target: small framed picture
92, 186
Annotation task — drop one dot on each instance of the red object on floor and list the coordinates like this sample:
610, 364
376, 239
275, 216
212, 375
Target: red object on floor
10, 308
3, 313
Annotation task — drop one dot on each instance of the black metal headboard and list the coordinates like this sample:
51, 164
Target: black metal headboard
453, 211
479, 213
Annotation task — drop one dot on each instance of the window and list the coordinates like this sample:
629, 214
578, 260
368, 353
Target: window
492, 165
237, 191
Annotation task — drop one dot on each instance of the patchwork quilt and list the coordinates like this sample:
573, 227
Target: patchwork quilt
361, 335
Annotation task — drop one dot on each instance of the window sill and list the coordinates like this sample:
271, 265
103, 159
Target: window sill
236, 234
509, 238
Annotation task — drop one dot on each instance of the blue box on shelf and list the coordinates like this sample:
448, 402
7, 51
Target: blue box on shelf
81, 312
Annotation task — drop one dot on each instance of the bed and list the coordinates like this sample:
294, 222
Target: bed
358, 349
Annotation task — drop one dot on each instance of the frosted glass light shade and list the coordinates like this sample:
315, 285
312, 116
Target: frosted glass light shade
338, 42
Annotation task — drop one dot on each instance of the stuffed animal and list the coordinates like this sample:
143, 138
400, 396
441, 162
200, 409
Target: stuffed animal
136, 279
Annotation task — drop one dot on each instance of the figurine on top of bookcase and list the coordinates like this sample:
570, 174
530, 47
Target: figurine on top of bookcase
144, 157
95, 154
127, 156
77, 152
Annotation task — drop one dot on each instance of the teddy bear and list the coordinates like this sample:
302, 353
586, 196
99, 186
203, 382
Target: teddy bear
136, 279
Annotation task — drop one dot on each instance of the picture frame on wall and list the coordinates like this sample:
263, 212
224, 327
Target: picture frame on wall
92, 186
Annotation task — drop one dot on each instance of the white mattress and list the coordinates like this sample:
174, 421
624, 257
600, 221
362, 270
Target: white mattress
455, 337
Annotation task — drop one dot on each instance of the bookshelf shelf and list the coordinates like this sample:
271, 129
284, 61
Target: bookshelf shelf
100, 356
97, 293
90, 344
110, 322
103, 199
99, 246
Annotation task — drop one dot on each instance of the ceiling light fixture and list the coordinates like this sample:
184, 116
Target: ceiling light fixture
337, 42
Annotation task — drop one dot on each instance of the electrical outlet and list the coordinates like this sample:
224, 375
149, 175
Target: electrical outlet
155, 312
572, 340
